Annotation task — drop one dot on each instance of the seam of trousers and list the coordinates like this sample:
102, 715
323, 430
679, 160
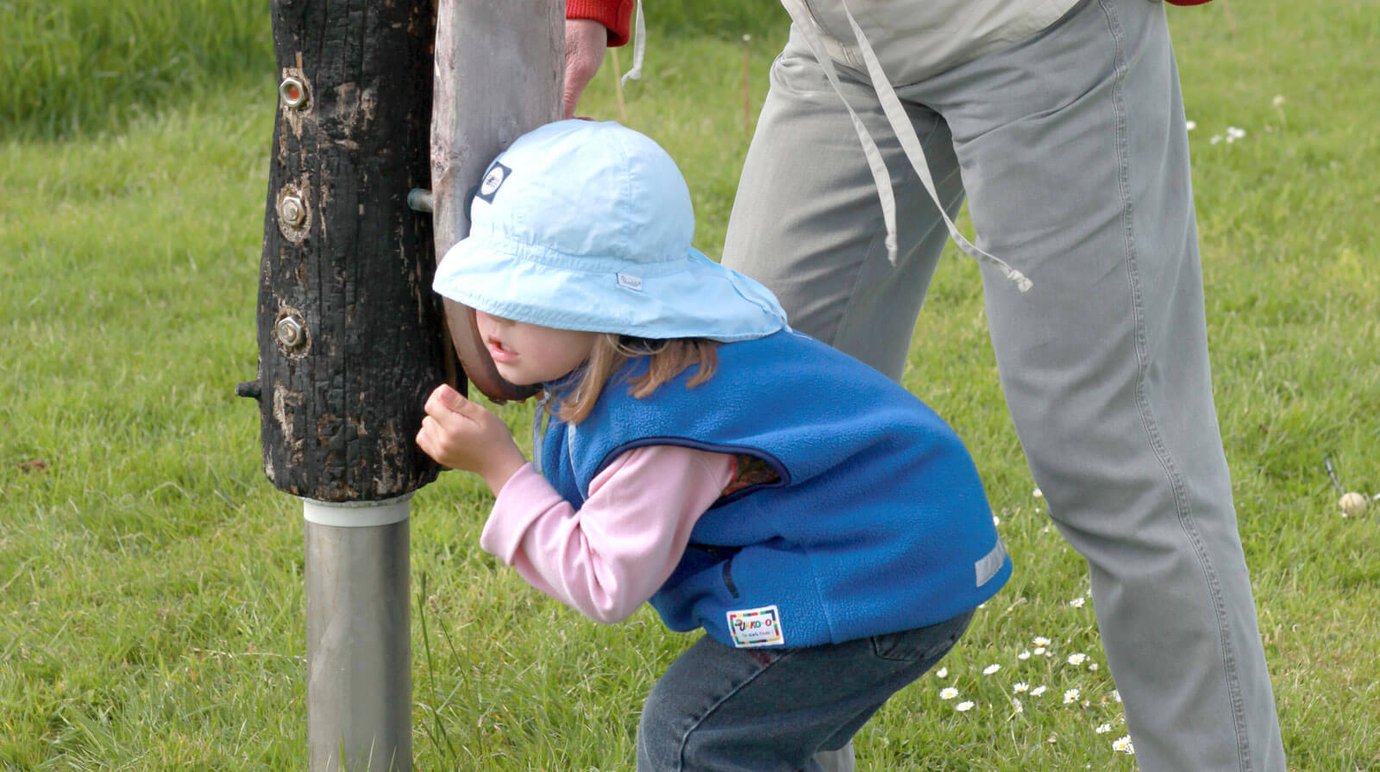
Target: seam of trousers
1148, 419
685, 739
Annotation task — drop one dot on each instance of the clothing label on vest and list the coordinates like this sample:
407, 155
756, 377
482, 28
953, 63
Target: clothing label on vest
991, 563
756, 627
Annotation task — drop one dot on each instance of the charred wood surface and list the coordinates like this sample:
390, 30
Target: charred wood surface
350, 335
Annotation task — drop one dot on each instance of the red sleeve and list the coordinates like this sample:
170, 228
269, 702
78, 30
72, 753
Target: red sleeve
614, 14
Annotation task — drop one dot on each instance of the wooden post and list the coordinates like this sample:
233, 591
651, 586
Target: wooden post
351, 338
350, 345
499, 70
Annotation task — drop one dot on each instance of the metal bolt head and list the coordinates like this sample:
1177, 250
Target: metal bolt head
292, 210
290, 332
293, 92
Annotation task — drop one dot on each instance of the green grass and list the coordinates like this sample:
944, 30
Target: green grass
70, 66
151, 609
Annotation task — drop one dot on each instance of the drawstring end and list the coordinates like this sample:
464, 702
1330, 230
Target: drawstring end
639, 47
1022, 283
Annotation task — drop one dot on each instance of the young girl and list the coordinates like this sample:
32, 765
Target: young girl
826, 529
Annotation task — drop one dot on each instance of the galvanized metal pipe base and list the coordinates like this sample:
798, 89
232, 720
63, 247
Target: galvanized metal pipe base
359, 678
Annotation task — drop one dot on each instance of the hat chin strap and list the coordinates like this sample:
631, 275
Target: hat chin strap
474, 357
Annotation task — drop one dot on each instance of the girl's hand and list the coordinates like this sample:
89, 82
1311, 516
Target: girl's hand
460, 434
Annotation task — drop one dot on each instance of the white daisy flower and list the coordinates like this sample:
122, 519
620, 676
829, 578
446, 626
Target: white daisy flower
1037, 691
1077, 602
948, 693
1190, 125
990, 669
1040, 640
1023, 656
1021, 687
1015, 703
996, 521
1077, 659
1116, 695
1092, 665
1123, 745
1039, 650
964, 707
1070, 696
1037, 493
1103, 728
942, 672
1215, 139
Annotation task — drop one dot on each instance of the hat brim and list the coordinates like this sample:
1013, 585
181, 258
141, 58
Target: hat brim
690, 298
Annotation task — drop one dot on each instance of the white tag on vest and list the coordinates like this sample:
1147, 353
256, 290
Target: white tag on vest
756, 627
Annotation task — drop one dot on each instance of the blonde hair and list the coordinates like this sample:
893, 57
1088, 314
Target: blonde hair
667, 359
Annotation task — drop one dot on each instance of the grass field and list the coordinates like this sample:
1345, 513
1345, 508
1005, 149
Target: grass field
151, 609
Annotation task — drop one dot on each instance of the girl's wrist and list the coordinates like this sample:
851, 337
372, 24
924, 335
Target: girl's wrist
501, 469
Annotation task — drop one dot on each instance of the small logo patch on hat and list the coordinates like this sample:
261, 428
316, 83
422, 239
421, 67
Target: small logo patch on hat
493, 180
628, 281
752, 627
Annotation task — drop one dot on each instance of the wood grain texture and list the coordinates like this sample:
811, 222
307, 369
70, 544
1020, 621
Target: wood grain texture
499, 69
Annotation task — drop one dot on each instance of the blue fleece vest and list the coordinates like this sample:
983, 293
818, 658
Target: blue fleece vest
878, 522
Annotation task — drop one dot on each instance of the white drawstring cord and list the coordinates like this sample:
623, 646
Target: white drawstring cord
639, 47
875, 163
905, 134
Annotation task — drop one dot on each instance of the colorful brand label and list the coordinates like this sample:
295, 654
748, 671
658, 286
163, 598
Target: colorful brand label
756, 627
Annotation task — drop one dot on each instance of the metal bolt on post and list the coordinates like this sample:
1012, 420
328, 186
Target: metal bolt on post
290, 332
292, 210
293, 92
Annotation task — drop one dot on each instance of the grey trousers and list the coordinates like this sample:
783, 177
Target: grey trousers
1072, 151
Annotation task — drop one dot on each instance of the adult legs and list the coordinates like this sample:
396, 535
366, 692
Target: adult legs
806, 221
1074, 154
1079, 176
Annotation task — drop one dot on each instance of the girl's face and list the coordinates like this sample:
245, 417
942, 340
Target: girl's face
527, 354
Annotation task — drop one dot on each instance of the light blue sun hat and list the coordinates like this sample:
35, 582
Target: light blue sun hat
587, 226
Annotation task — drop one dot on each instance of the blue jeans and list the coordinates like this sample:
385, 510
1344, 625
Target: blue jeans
720, 708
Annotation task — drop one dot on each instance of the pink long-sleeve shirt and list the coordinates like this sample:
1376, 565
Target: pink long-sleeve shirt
606, 558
